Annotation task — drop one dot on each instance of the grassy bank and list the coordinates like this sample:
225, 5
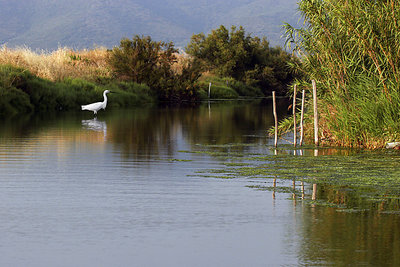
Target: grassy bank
352, 50
226, 88
65, 79
23, 92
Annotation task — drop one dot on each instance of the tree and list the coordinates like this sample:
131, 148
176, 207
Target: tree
143, 60
243, 57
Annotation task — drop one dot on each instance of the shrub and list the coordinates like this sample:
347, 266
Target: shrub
219, 91
13, 101
247, 59
243, 89
142, 60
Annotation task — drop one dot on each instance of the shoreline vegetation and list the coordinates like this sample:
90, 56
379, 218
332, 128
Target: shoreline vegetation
352, 50
142, 71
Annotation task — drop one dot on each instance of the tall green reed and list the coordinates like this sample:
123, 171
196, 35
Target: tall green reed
352, 49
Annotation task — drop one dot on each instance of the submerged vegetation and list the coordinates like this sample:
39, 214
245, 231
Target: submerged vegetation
352, 49
348, 180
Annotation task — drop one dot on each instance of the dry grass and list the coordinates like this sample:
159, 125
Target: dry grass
68, 63
182, 61
59, 64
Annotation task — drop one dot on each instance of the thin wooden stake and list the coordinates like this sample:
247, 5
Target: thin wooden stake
303, 93
209, 90
275, 118
315, 113
294, 116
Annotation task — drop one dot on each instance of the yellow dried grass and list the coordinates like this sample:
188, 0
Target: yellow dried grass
59, 64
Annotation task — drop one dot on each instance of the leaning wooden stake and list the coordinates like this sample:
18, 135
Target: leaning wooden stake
294, 116
303, 93
315, 113
275, 117
209, 90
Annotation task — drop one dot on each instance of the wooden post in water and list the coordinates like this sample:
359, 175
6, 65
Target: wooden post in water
302, 117
275, 118
315, 113
294, 116
209, 90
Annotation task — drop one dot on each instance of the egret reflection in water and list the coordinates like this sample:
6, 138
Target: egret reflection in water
95, 125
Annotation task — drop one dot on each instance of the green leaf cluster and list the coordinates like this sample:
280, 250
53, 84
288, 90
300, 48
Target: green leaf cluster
245, 58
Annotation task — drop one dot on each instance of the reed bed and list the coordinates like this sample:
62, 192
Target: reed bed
352, 49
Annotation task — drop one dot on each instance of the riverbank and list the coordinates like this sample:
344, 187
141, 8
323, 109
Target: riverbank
66, 79
23, 92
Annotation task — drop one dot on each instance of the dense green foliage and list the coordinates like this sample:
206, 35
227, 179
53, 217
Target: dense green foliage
352, 49
143, 60
247, 59
22, 92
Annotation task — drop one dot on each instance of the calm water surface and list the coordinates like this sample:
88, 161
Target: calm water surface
122, 190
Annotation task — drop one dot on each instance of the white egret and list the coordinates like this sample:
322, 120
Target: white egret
98, 105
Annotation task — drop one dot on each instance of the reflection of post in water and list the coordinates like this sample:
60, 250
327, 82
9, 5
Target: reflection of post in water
294, 189
274, 185
209, 109
314, 192
302, 189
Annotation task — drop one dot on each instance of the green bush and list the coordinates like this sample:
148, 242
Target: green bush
143, 60
13, 101
243, 89
228, 84
128, 94
218, 91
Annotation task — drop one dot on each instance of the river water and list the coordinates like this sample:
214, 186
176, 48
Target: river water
126, 189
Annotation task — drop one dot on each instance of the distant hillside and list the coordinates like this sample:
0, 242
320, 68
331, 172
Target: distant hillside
48, 24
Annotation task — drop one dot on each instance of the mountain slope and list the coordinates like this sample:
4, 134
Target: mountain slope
47, 24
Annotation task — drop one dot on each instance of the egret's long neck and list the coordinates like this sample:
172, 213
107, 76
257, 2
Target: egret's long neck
105, 97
